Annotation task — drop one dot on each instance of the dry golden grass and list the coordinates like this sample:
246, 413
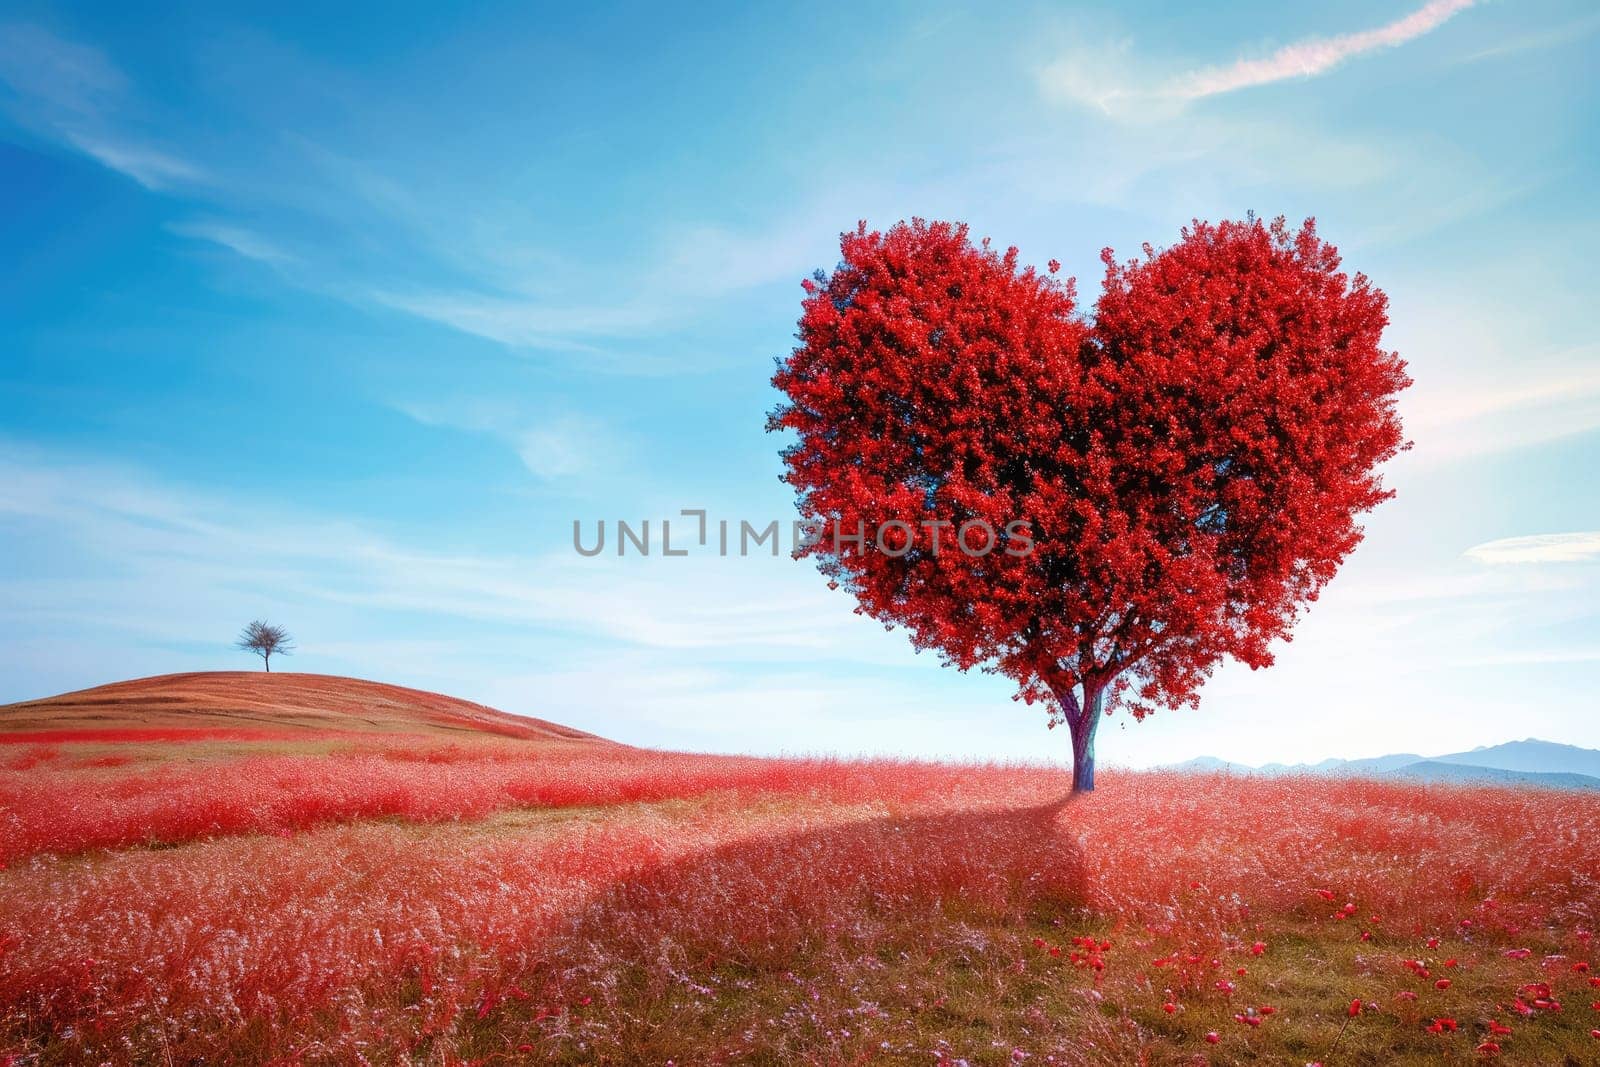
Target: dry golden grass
280, 703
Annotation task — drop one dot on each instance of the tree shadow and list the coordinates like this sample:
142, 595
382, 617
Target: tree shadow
742, 932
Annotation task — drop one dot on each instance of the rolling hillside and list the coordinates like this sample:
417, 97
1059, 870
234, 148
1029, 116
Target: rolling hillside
257, 701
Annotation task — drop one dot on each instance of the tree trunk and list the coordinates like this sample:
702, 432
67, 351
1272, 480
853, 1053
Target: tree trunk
1083, 741
267, 659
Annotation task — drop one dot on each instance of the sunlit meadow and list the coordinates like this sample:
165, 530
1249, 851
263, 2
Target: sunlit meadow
331, 896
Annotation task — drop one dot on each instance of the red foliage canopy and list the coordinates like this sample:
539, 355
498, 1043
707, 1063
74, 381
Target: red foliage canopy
1190, 464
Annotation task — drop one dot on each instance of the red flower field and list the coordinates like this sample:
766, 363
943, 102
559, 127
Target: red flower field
289, 869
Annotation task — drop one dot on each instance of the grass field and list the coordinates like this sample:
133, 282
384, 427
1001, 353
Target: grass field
288, 869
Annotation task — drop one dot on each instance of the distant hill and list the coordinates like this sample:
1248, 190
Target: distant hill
1531, 755
256, 700
1528, 762
1439, 771
1372, 765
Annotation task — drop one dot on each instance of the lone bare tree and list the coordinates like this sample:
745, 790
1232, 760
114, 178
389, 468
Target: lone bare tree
265, 640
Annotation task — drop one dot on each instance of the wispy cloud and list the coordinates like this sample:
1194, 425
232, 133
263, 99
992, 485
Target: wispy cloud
679, 271
520, 322
151, 168
235, 239
1506, 406
43, 68
563, 447
1535, 40
1579, 547
1307, 59
1111, 79
554, 445
71, 93
354, 226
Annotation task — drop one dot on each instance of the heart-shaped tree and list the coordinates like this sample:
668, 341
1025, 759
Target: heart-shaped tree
1163, 486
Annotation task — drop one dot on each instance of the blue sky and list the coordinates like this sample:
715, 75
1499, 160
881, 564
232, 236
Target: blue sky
343, 320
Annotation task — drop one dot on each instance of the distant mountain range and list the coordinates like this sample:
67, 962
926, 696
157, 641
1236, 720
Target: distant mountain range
1529, 762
